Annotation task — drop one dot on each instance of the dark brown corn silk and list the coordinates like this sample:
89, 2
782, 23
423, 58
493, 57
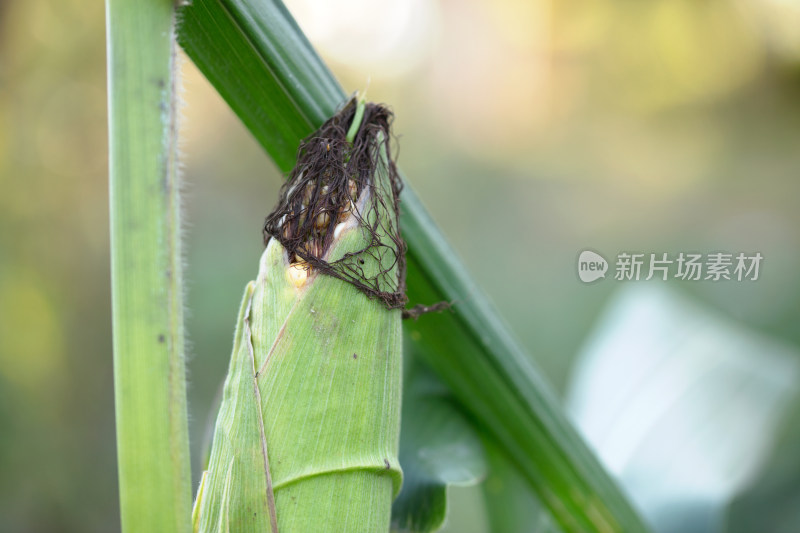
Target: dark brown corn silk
333, 180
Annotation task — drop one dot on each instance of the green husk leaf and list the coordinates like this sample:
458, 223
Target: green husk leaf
329, 391
235, 488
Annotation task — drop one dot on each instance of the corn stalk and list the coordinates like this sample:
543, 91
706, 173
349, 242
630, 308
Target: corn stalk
149, 381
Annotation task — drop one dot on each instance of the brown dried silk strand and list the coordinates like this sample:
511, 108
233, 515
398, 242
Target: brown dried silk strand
330, 176
421, 309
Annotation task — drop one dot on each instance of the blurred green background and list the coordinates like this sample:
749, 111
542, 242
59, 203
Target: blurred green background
531, 129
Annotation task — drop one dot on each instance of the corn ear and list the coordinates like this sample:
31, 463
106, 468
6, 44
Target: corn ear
307, 434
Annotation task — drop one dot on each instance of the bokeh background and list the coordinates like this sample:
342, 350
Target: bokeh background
531, 129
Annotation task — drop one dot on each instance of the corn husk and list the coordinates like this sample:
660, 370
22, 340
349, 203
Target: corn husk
307, 435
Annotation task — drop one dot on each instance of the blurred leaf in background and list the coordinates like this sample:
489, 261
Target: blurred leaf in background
682, 405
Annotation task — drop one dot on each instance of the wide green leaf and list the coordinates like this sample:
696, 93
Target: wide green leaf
255, 55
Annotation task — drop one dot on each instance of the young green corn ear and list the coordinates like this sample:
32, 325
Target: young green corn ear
307, 434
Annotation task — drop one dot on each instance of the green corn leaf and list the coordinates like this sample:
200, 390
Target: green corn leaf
262, 65
149, 374
511, 505
234, 34
438, 448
